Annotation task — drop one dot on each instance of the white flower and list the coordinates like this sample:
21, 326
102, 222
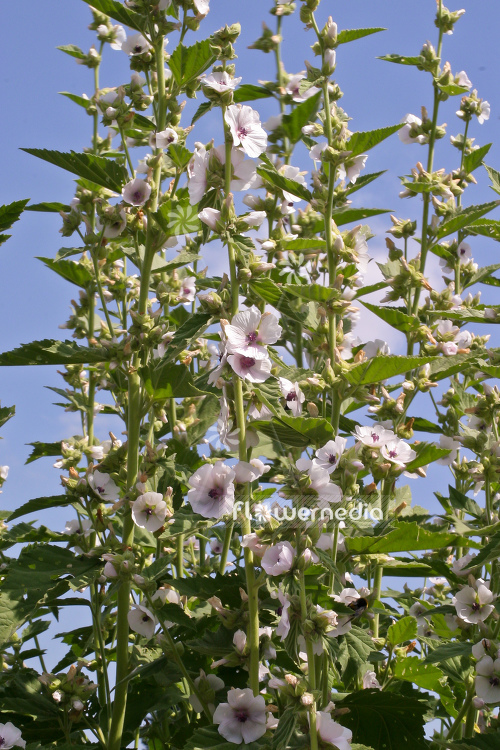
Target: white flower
488, 680
10, 736
328, 493
142, 621
376, 348
484, 112
245, 472
249, 332
242, 718
244, 173
375, 436
293, 88
398, 452
250, 368
278, 559
216, 546
246, 129
201, 6
207, 680
370, 681
119, 35
460, 566
136, 192
103, 485
253, 543
353, 169
220, 82
327, 457
76, 527
464, 252
163, 139
212, 493
273, 123
149, 511
110, 231
405, 132
474, 605
210, 217
462, 79
254, 219
332, 732
294, 397
317, 150
292, 173
197, 174
188, 290
451, 445
4, 472
135, 45
283, 627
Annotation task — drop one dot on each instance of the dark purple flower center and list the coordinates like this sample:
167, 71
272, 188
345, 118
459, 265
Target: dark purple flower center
241, 716
393, 454
146, 618
148, 512
242, 132
494, 681
137, 196
375, 437
292, 396
247, 362
476, 607
252, 337
215, 492
2, 741
100, 489
138, 49
332, 459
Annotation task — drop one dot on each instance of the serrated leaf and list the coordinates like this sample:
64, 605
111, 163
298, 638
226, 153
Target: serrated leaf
444, 367
193, 327
350, 35
406, 537
302, 114
355, 648
50, 352
448, 651
385, 720
464, 218
49, 208
180, 155
70, 270
482, 273
360, 142
402, 59
403, 630
166, 380
494, 177
249, 93
397, 319
268, 171
343, 216
474, 160
490, 741
383, 368
118, 11
208, 738
413, 669
73, 51
41, 503
80, 100
274, 294
6, 413
202, 110
312, 292
104, 172
363, 180
187, 63
314, 243
427, 453
10, 213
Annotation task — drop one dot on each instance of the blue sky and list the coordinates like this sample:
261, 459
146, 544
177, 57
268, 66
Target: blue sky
33, 301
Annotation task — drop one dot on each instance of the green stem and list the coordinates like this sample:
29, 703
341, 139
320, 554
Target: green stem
457, 724
226, 547
180, 556
470, 722
377, 589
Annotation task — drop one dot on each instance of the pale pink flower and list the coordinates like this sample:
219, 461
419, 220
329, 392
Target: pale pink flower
253, 543
246, 129
10, 736
351, 170
411, 123
254, 219
188, 290
119, 35
278, 559
163, 139
149, 511
136, 192
370, 681
283, 627
484, 112
249, 332
245, 472
376, 348
488, 680
249, 368
212, 493
474, 605
449, 444
374, 436
110, 231
294, 398
462, 79
211, 681
293, 88
202, 6
328, 492
197, 173
292, 173
242, 718
328, 456
333, 733
142, 621
210, 217
220, 82
398, 452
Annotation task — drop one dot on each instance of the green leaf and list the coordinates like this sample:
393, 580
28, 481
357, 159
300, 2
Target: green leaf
406, 537
427, 676
6, 413
448, 651
10, 213
360, 142
73, 51
315, 243
489, 741
296, 431
187, 63
350, 35
276, 296
402, 59
80, 100
268, 171
494, 177
40, 450
486, 228
208, 738
249, 93
49, 208
426, 454
382, 368
41, 503
285, 728
117, 10
166, 380
397, 319
305, 112
347, 215
312, 292
193, 327
482, 273
202, 110
474, 160
490, 551
50, 352
464, 218
385, 720
444, 367
355, 647
37, 571
70, 270
180, 155
104, 172
363, 180
403, 630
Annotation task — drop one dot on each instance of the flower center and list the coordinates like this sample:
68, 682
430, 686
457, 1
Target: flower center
2, 741
476, 607
215, 492
137, 196
252, 337
332, 459
393, 454
292, 396
100, 489
148, 512
242, 132
375, 437
145, 618
241, 716
138, 49
494, 681
247, 362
